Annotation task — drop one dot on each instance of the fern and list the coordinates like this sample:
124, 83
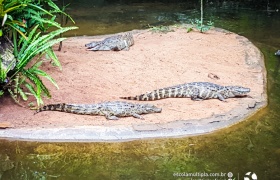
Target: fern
33, 77
43, 21
24, 21
52, 55
39, 45
33, 46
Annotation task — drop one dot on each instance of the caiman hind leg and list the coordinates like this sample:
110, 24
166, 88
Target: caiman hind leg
221, 97
195, 95
126, 46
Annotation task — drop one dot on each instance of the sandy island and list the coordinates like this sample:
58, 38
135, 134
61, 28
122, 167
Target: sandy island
155, 61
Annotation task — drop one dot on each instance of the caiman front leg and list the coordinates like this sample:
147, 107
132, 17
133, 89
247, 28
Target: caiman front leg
126, 46
221, 97
109, 116
137, 116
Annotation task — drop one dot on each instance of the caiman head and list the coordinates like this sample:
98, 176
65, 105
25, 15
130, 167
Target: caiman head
149, 108
235, 91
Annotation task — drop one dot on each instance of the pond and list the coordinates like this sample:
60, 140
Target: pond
250, 146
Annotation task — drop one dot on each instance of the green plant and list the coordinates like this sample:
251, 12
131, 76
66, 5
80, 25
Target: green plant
202, 27
198, 24
24, 14
33, 48
63, 20
24, 21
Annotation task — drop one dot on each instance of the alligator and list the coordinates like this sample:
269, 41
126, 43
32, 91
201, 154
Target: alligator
195, 90
114, 43
277, 53
111, 110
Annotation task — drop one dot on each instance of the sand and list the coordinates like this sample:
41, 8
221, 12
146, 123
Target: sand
156, 60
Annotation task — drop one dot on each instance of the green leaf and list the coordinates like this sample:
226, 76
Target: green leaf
22, 94
33, 92
42, 21
35, 66
37, 82
189, 30
24, 20
39, 8
53, 5
27, 41
14, 8
53, 56
19, 31
39, 45
1, 92
3, 73
32, 51
35, 70
44, 74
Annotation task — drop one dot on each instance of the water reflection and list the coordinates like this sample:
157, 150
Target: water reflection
252, 145
237, 150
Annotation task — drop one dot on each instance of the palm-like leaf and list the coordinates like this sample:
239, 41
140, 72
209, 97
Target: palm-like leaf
33, 77
32, 47
52, 55
24, 20
39, 45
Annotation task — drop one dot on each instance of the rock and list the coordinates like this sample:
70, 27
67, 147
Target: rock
213, 76
4, 125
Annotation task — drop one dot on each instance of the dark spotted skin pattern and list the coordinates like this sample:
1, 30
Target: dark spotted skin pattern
195, 91
111, 110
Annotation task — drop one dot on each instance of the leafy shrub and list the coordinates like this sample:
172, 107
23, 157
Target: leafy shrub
23, 45
198, 24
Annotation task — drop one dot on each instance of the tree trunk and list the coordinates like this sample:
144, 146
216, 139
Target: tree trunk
7, 58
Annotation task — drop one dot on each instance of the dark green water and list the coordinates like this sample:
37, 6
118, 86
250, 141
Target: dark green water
250, 146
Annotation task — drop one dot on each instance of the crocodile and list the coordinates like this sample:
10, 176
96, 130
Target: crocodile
277, 53
114, 43
195, 91
111, 110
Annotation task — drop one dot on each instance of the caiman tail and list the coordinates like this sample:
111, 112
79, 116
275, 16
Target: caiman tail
137, 98
151, 96
63, 107
52, 107
111, 110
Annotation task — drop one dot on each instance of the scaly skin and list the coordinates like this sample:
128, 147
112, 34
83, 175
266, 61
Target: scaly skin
111, 110
195, 91
114, 43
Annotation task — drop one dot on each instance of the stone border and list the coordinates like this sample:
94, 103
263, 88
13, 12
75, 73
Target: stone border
178, 128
